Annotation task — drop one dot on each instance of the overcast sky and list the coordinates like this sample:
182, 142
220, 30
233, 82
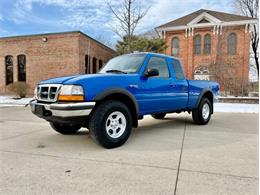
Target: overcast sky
21, 17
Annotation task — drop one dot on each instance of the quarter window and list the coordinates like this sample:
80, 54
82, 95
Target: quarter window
21, 59
8, 69
178, 70
161, 65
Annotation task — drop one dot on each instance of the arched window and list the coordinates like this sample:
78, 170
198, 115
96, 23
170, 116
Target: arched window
197, 44
175, 46
94, 65
100, 64
207, 44
87, 59
9, 69
232, 43
21, 59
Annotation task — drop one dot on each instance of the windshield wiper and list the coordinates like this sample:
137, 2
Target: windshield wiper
116, 71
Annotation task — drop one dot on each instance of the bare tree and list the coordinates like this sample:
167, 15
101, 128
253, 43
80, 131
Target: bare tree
224, 70
128, 15
250, 8
104, 41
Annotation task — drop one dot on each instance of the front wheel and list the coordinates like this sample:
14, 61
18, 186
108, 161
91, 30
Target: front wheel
110, 124
65, 129
202, 114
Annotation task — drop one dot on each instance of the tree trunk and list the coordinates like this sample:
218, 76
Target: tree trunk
129, 25
256, 63
256, 59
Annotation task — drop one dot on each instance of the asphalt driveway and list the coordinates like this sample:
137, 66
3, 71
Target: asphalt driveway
161, 157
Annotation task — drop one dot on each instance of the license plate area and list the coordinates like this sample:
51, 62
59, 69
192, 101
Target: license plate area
39, 110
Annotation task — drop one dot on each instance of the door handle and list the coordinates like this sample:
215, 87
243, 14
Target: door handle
172, 85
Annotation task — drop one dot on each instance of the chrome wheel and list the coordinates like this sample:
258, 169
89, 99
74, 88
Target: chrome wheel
115, 124
205, 111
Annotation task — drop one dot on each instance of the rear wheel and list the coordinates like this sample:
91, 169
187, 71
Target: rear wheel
110, 124
159, 116
65, 129
202, 114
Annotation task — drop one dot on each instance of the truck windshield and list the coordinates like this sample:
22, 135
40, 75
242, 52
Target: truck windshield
124, 64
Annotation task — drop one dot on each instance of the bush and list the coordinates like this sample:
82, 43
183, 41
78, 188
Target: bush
19, 88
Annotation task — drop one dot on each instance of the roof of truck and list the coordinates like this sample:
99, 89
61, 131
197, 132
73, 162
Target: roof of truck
152, 53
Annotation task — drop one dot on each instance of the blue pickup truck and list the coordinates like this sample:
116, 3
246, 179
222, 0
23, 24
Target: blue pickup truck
112, 101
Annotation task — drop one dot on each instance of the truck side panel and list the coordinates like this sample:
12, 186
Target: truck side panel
180, 86
196, 87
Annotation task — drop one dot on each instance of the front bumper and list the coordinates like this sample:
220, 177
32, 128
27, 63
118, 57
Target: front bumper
62, 112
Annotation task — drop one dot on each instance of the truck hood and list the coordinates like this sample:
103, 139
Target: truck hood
58, 80
94, 84
77, 79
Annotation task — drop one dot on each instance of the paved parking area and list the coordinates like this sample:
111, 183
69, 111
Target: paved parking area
171, 156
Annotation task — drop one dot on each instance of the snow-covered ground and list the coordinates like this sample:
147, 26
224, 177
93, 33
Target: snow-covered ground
236, 107
9, 101
218, 107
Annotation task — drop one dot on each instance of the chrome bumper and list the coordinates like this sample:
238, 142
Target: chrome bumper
62, 110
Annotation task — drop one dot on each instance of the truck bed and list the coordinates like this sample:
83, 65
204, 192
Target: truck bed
197, 86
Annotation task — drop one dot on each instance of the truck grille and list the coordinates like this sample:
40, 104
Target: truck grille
48, 92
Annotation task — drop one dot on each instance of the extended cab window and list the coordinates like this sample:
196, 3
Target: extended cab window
178, 70
161, 65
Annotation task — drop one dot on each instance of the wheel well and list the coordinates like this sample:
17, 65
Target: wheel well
209, 95
125, 100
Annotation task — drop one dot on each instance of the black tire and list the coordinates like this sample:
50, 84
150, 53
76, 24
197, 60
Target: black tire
197, 114
99, 120
65, 129
159, 116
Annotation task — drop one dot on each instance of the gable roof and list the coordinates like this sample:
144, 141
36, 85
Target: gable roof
224, 17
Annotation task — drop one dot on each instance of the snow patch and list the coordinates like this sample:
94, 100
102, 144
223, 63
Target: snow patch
8, 100
236, 107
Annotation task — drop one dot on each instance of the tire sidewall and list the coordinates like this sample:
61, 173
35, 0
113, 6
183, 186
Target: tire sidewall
202, 103
102, 133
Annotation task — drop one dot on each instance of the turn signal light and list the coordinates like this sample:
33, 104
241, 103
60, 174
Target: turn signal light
71, 98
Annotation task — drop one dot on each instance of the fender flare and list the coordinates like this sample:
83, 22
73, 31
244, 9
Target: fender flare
202, 94
112, 91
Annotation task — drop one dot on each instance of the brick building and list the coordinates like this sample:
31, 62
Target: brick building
34, 58
212, 46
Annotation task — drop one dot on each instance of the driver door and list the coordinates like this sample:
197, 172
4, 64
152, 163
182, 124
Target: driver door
155, 92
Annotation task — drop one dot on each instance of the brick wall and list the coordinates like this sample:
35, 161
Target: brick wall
62, 54
234, 68
93, 50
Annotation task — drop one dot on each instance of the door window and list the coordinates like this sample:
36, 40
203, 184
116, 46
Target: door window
161, 65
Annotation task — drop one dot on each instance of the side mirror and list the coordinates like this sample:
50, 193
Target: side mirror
151, 72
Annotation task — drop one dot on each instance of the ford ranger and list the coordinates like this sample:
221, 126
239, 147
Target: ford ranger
112, 101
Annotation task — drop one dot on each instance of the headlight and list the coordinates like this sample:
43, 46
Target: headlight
71, 93
71, 90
